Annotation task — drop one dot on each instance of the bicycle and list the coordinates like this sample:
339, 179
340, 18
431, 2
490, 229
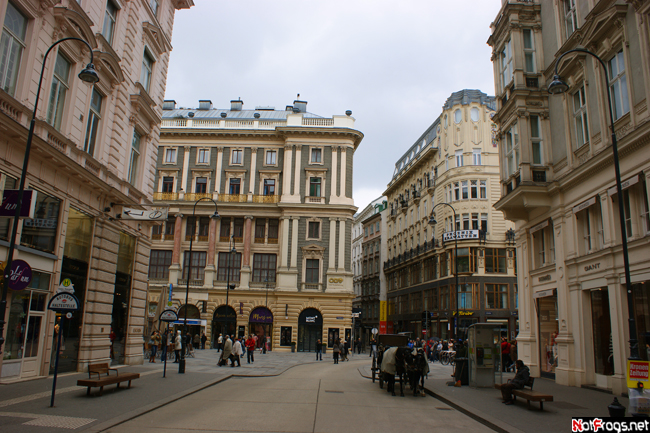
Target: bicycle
448, 357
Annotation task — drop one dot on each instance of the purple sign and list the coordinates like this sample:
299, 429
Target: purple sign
261, 315
10, 201
20, 276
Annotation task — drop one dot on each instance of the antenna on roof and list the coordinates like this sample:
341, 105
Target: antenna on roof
298, 97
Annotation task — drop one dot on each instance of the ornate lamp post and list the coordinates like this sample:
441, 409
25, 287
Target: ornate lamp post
558, 86
432, 223
88, 75
215, 215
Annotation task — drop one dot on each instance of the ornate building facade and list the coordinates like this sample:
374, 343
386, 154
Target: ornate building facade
558, 182
282, 183
94, 150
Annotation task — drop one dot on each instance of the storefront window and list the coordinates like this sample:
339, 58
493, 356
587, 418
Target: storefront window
24, 328
40, 232
122, 296
285, 336
261, 324
603, 356
332, 336
548, 331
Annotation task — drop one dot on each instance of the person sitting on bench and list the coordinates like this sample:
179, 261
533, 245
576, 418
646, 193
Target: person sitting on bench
518, 382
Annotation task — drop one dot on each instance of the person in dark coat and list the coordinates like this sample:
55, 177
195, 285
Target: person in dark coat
203, 340
319, 350
336, 349
521, 378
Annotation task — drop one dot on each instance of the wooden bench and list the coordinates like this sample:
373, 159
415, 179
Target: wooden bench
529, 394
101, 381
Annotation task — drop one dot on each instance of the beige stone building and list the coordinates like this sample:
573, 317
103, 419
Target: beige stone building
94, 151
558, 181
281, 181
454, 163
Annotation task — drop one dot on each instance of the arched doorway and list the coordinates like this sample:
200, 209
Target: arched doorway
310, 329
224, 322
261, 324
193, 320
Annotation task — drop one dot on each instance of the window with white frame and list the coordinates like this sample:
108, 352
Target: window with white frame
170, 156
618, 85
544, 246
110, 18
446, 163
464, 189
203, 156
269, 186
483, 188
580, 117
456, 191
459, 158
466, 221
316, 155
315, 187
271, 157
94, 116
505, 58
58, 91
147, 70
590, 228
153, 4
135, 156
635, 207
476, 156
570, 17
235, 186
529, 51
474, 114
536, 139
475, 225
458, 116
484, 222
313, 229
473, 184
512, 150
236, 156
312, 271
12, 44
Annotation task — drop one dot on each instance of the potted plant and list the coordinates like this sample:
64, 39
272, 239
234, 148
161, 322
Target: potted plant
293, 346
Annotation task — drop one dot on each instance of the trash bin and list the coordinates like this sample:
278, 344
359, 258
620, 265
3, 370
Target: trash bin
462, 371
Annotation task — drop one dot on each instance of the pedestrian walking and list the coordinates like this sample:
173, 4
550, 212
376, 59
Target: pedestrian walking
203, 340
319, 350
178, 346
250, 349
336, 349
358, 343
219, 343
197, 341
226, 353
236, 352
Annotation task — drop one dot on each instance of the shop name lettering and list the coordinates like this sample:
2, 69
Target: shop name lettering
258, 316
18, 276
311, 319
638, 371
592, 267
41, 223
336, 280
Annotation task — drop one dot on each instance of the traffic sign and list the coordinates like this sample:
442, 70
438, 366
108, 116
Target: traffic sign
63, 302
168, 316
65, 286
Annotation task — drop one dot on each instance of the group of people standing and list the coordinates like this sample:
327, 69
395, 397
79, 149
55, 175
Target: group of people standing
234, 351
339, 349
164, 343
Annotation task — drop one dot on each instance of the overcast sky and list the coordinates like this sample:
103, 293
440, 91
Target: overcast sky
393, 63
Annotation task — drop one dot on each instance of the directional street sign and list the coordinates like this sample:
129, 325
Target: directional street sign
139, 214
63, 302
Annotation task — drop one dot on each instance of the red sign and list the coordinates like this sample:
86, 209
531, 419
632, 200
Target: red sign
382, 327
389, 327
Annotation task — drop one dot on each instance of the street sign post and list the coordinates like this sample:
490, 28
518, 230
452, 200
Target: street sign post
61, 303
167, 316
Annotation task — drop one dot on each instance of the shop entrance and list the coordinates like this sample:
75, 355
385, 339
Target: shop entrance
224, 322
261, 324
548, 330
23, 349
193, 321
310, 329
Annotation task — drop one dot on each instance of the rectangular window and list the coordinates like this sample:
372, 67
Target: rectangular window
238, 229
544, 247
314, 186
459, 158
236, 156
285, 335
536, 139
456, 191
444, 298
529, 51
484, 222
467, 294
316, 155
512, 150
467, 260
147, 69
269, 186
464, 189
444, 270
224, 231
170, 156
40, 232
628, 213
204, 228
12, 44
153, 4
229, 266
483, 188
580, 117
495, 260
496, 296
201, 185
190, 228
312, 271
473, 188
476, 156
314, 230
168, 184
135, 156
264, 266
273, 230
235, 185
159, 263
465, 221
203, 156
570, 17
618, 85
94, 116
475, 225
271, 157
260, 230
198, 265
506, 65
58, 91
110, 17
170, 227
645, 210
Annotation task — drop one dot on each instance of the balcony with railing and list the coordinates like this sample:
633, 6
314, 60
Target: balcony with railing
233, 198
266, 199
165, 196
314, 200
197, 196
311, 287
292, 119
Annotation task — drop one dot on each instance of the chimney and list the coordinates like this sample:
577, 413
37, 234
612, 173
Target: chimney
300, 106
205, 104
236, 105
169, 104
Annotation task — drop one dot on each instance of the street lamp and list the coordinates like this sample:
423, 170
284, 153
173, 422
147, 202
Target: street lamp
215, 215
432, 223
88, 75
556, 87
231, 250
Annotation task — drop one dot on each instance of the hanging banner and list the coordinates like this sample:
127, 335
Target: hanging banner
169, 300
10, 202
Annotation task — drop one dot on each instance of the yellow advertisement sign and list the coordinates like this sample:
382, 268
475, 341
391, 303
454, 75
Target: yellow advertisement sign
637, 371
382, 311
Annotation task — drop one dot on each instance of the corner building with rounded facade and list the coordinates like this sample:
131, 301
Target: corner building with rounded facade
282, 184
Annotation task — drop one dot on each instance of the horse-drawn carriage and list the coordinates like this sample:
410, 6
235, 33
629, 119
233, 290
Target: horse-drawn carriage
393, 358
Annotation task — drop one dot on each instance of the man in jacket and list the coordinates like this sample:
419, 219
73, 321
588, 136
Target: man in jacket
319, 350
178, 346
226, 353
236, 353
250, 349
521, 378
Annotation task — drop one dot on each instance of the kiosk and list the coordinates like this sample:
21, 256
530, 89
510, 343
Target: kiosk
483, 342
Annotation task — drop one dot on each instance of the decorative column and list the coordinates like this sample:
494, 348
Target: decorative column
217, 175
344, 164
296, 175
245, 278
294, 243
252, 181
286, 172
209, 266
175, 268
332, 246
284, 253
186, 168
333, 192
